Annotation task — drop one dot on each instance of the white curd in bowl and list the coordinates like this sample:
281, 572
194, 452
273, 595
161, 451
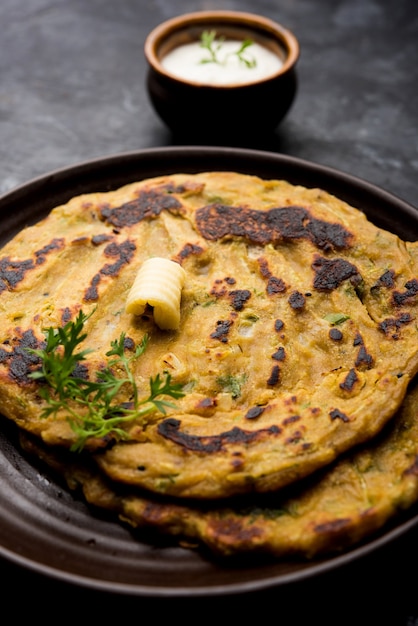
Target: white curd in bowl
192, 62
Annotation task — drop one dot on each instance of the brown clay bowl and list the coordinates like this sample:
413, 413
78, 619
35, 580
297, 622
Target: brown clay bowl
197, 109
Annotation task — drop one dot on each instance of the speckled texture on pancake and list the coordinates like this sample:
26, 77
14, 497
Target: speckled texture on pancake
332, 511
298, 332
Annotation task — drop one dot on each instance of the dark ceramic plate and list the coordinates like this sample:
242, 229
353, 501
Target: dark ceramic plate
42, 526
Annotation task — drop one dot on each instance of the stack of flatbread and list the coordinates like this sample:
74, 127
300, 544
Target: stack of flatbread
296, 352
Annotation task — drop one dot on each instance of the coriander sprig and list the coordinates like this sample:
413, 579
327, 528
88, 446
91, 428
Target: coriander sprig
213, 46
208, 42
91, 404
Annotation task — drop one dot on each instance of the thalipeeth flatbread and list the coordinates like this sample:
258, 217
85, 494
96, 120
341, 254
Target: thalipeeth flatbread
297, 340
331, 511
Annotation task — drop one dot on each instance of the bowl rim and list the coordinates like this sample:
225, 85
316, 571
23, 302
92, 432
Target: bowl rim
180, 22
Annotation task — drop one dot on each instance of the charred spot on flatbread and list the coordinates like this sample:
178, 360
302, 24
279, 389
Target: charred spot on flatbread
274, 225
147, 205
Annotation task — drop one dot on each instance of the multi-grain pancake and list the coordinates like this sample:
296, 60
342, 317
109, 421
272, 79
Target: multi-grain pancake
331, 511
297, 335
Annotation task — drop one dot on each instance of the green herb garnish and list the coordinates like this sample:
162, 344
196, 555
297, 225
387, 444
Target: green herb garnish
336, 318
213, 46
92, 405
232, 384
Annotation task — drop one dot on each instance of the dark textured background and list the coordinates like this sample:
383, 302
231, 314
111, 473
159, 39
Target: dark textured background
72, 88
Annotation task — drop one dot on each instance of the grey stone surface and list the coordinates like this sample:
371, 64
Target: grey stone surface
73, 84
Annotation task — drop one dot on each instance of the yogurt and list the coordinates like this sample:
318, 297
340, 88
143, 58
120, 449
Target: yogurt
188, 62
